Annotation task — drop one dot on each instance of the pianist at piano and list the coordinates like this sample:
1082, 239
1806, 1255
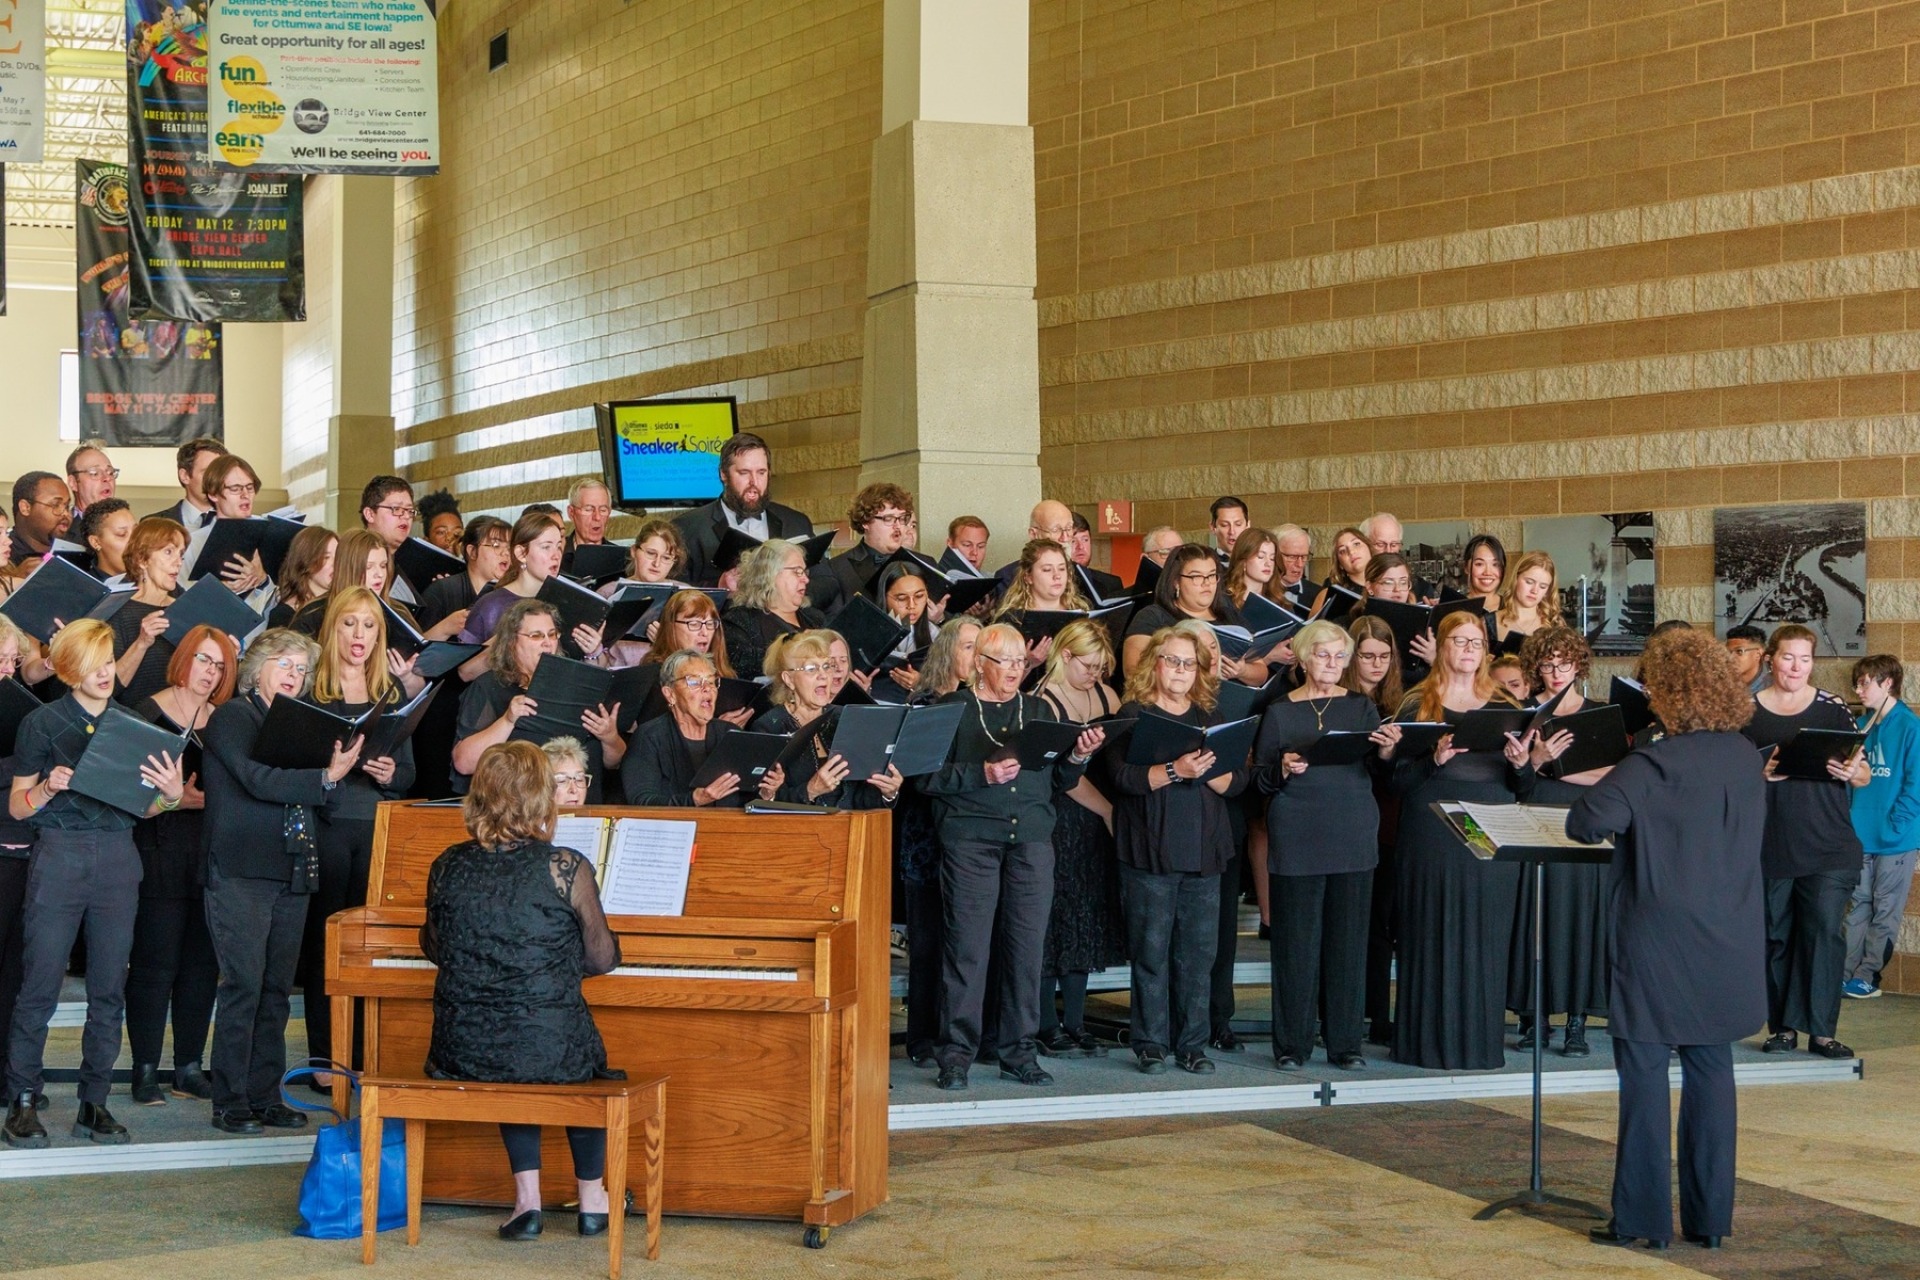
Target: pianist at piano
513, 925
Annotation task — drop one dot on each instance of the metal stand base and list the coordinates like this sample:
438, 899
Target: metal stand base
1537, 1200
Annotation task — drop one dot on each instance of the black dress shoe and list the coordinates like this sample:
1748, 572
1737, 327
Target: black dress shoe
1831, 1049
96, 1124
1705, 1242
1198, 1064
189, 1081
953, 1078
1288, 1061
1575, 1045
1152, 1059
1025, 1073
527, 1226
591, 1224
920, 1054
23, 1127
1091, 1046
1781, 1042
242, 1123
1225, 1041
1525, 1039
1607, 1235
1058, 1042
278, 1116
1353, 1061
146, 1085
1380, 1033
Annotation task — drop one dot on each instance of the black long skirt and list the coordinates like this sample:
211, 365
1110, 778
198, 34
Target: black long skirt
1575, 947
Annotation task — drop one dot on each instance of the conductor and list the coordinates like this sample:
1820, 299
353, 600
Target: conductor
1688, 968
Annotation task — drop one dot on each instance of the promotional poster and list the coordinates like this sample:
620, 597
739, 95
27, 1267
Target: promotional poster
347, 87
142, 382
205, 245
665, 453
23, 81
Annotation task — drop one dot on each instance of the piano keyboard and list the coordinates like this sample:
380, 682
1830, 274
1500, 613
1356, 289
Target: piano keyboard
741, 974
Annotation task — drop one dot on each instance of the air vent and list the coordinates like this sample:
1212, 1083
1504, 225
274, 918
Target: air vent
497, 52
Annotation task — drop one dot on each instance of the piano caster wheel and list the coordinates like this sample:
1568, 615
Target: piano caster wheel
816, 1237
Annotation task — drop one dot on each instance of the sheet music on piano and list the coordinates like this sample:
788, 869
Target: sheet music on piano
648, 863
586, 837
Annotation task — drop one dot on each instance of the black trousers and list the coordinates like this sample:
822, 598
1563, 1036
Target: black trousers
346, 858
172, 966
256, 927
1642, 1185
589, 1148
78, 880
1319, 952
1806, 950
997, 897
1383, 935
1226, 945
1171, 935
13, 900
926, 938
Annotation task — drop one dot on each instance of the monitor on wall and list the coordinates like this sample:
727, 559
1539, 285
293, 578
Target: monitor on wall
665, 453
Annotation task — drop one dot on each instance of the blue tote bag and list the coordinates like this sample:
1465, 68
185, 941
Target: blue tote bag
330, 1191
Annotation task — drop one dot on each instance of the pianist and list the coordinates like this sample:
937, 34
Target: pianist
513, 925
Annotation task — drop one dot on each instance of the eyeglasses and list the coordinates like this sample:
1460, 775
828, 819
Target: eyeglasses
242, 490
699, 624
800, 569
594, 511
207, 660
1745, 649
1178, 664
56, 504
1560, 667
1335, 655
1059, 532
1200, 577
95, 473
998, 661
399, 513
1466, 644
538, 637
1290, 557
572, 779
898, 520
495, 544
294, 665
811, 668
697, 683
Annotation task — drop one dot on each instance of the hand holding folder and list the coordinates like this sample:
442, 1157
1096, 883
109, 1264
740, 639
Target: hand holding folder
129, 763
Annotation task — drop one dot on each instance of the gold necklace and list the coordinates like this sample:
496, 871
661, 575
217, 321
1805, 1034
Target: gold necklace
1319, 710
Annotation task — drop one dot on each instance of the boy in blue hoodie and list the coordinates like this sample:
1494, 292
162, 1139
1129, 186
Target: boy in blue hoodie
1886, 816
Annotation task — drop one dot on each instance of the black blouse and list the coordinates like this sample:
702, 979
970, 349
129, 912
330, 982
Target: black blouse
965, 807
1809, 824
483, 702
660, 763
1467, 767
172, 856
1185, 827
1323, 821
151, 677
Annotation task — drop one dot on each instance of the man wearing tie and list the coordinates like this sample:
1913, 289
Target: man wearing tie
190, 461
746, 469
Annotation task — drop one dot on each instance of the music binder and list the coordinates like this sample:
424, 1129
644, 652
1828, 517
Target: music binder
1804, 756
1635, 709
1041, 744
269, 537
628, 604
391, 728
585, 836
1042, 624
1486, 728
871, 632
736, 694
1261, 613
1239, 643
1519, 832
1237, 701
402, 636
438, 658
1599, 740
734, 546
1419, 737
563, 690
1339, 746
109, 769
868, 739
298, 734
925, 739
208, 602
422, 564
1160, 739
104, 611
1339, 602
16, 703
577, 606
56, 594
598, 562
741, 752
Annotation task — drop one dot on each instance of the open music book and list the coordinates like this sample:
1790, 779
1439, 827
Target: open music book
648, 863
1490, 829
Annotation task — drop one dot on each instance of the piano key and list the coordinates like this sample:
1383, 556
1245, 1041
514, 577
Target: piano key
743, 973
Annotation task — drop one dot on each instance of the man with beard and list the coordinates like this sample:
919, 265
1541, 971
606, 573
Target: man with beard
745, 470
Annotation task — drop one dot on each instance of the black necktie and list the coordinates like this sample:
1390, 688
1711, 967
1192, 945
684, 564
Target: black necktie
206, 518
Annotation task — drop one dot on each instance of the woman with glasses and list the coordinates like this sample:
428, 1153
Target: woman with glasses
1173, 834
1189, 587
688, 620
1529, 600
668, 751
800, 685
1375, 673
172, 963
1575, 955
537, 547
1456, 913
307, 573
230, 483
1389, 576
497, 700
141, 649
769, 602
1351, 551
656, 556
572, 774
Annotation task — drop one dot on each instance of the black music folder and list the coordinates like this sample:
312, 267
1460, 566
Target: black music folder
871, 633
1040, 744
926, 737
16, 700
227, 540
1339, 602
1486, 729
1237, 701
1408, 621
1599, 740
1251, 646
438, 658
734, 546
104, 611
1419, 737
1339, 746
56, 594
1631, 697
915, 740
1262, 613
209, 602
391, 728
1040, 624
598, 562
631, 602
749, 755
1160, 739
109, 769
562, 690
578, 606
1806, 753
402, 635
736, 694
298, 734
422, 564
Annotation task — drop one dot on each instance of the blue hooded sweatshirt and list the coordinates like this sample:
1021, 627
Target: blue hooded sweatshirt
1886, 812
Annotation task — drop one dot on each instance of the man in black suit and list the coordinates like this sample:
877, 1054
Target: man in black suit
190, 463
1049, 519
1228, 519
1105, 585
745, 469
883, 516
1296, 552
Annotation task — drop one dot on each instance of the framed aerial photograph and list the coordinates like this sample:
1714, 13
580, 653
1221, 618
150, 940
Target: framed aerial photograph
1804, 563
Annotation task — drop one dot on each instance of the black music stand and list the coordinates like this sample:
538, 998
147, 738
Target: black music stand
1535, 858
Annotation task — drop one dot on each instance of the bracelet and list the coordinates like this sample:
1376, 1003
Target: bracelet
1172, 775
31, 806
168, 806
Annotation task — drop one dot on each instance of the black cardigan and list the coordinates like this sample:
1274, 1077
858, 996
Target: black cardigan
658, 769
246, 812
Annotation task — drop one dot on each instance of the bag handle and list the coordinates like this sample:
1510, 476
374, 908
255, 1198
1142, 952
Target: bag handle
313, 1068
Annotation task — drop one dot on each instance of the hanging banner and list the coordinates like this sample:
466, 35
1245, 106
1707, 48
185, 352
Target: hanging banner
205, 245
23, 80
142, 382
324, 86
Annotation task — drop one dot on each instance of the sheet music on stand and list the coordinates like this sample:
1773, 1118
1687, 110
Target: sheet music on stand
1527, 826
648, 864
586, 837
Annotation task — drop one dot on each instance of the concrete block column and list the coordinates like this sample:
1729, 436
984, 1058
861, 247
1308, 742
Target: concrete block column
360, 423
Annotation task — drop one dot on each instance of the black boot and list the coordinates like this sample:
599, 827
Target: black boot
1575, 1043
96, 1124
146, 1085
189, 1081
1525, 1040
23, 1127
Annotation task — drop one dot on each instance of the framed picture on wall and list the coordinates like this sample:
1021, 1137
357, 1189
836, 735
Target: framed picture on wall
1434, 548
1803, 563
1604, 567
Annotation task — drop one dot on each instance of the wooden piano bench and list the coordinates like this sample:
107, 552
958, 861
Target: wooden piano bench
613, 1105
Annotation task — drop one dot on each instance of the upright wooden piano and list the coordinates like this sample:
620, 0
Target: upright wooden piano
766, 1004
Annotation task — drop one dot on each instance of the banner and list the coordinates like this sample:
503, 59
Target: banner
23, 80
142, 382
206, 245
359, 79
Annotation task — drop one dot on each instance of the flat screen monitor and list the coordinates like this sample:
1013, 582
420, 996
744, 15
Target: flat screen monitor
665, 453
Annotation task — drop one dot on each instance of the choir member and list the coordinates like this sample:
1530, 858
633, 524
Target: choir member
746, 473
903, 593
1748, 645
572, 772
995, 821
42, 511
1158, 543
1511, 674
1290, 586
1575, 956
1483, 568
536, 547
513, 923
1226, 520
231, 484
1189, 587
882, 515
1529, 600
1252, 566
1102, 585
497, 700
143, 652
92, 477
85, 875
1322, 864
1685, 914
668, 750
1811, 855
306, 575
1456, 913
16, 848
1375, 673
1886, 815
387, 511
486, 548
1042, 579
769, 601
688, 620
1351, 551
967, 537
172, 963
1390, 577
1049, 521
190, 462
105, 532
440, 522
655, 556
1174, 837
800, 685
350, 679
589, 508
1085, 931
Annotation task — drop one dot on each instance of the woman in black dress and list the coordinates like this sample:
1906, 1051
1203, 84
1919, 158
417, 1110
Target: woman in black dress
1085, 930
1174, 837
1321, 866
1189, 587
1686, 813
770, 602
801, 689
172, 964
1483, 567
306, 574
141, 650
1574, 958
1811, 857
1456, 912
668, 751
902, 592
513, 924
1375, 672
